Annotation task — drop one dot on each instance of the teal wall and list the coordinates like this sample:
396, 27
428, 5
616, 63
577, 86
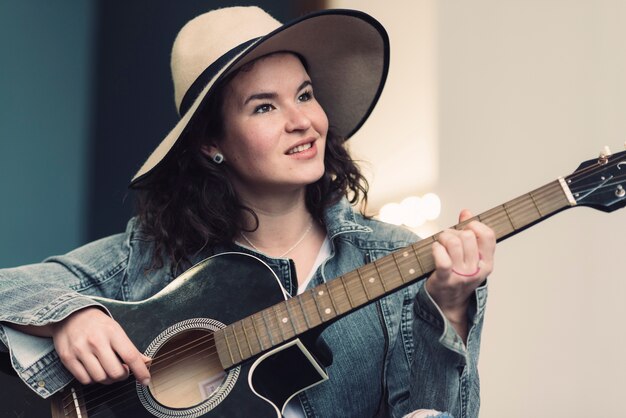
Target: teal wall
45, 85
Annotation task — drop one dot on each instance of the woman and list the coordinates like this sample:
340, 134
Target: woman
257, 165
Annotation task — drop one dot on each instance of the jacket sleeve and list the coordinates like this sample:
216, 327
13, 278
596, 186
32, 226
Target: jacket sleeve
48, 292
444, 373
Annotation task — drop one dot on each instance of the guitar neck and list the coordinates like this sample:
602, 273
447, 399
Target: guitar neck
329, 301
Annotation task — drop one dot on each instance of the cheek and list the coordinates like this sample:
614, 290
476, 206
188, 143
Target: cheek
239, 139
247, 148
321, 121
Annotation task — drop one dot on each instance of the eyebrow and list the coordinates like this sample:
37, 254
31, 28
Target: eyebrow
272, 95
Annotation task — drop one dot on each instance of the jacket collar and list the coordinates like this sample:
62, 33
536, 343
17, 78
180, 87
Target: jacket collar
341, 218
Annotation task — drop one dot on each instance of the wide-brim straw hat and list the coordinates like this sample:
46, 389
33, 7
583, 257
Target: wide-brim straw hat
346, 53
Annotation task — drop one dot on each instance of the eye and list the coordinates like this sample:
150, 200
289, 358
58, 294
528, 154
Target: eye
306, 96
263, 108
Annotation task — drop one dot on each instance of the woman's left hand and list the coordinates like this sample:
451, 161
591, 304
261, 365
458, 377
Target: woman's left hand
463, 259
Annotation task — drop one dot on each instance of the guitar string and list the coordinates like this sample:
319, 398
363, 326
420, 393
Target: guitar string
180, 349
122, 397
130, 396
156, 362
610, 182
127, 388
165, 358
588, 188
597, 167
574, 176
170, 382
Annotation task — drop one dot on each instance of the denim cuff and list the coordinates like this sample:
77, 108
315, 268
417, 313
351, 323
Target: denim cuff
37, 363
426, 308
33, 358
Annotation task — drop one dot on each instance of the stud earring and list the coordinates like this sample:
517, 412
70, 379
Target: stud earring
218, 158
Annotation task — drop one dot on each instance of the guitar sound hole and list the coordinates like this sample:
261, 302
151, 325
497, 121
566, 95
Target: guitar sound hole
186, 369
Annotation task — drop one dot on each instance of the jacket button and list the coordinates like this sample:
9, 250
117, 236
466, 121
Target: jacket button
41, 384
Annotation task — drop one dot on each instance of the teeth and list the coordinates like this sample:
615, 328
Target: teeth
299, 148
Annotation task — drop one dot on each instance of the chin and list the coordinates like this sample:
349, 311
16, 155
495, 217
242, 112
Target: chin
317, 176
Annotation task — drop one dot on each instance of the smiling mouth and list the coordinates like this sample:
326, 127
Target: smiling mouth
300, 148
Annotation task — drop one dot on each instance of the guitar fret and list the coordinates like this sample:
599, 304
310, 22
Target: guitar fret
264, 314
367, 295
248, 329
343, 283
278, 321
229, 334
339, 297
223, 349
254, 319
372, 281
391, 276
286, 327
522, 211
423, 270
382, 279
244, 335
313, 312
400, 269
240, 335
354, 287
500, 224
423, 253
322, 296
296, 316
304, 314
400, 265
508, 215
331, 296
319, 311
556, 198
535, 204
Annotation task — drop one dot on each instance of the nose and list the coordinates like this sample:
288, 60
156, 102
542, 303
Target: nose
297, 119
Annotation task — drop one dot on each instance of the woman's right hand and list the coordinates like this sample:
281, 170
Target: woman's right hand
95, 348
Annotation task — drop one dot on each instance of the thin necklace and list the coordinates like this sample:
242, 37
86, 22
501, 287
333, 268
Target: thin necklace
290, 249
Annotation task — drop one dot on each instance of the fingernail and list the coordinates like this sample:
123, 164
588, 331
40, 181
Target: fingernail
145, 382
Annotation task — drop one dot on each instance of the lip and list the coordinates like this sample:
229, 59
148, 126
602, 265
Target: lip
308, 153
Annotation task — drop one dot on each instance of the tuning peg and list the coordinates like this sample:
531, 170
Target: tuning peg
604, 155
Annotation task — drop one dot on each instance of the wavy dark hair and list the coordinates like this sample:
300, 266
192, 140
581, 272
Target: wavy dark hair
188, 203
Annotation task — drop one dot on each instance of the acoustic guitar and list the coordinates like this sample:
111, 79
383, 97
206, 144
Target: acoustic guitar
214, 358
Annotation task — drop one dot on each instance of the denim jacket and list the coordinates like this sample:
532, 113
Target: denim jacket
390, 357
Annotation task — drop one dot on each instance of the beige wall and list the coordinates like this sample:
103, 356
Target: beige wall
398, 141
527, 90
524, 91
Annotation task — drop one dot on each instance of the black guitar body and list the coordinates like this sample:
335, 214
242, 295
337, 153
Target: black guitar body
178, 323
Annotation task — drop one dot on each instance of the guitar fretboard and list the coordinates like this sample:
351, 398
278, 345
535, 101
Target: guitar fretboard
281, 322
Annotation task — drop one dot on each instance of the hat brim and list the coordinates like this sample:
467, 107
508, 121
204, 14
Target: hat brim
347, 55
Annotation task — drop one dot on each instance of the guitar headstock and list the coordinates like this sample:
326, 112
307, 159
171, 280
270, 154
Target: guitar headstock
600, 183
